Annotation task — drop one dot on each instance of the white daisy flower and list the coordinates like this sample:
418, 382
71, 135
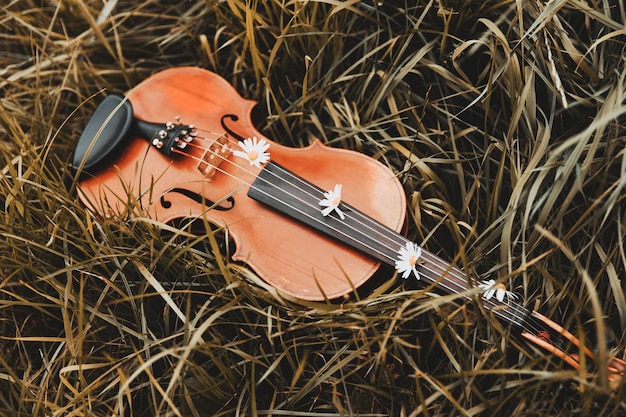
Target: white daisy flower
492, 288
254, 151
331, 201
408, 257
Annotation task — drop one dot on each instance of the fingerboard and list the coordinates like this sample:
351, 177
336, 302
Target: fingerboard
295, 197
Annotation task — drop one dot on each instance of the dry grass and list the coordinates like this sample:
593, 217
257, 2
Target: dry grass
505, 122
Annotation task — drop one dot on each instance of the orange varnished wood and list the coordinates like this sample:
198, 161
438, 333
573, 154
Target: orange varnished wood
289, 256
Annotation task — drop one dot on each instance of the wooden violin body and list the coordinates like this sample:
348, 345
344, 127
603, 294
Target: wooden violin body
206, 179
273, 203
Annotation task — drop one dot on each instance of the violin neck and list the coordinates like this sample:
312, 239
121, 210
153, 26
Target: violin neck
295, 197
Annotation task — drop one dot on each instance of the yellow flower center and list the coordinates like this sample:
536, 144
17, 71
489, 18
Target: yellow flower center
336, 201
500, 286
253, 155
413, 260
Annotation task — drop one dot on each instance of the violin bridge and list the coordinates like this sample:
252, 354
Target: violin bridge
214, 155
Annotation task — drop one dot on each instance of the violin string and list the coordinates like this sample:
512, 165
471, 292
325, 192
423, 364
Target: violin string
445, 269
520, 314
305, 202
308, 203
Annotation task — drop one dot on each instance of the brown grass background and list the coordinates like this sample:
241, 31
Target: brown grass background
504, 121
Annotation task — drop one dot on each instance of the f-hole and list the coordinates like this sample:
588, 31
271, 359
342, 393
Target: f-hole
231, 132
225, 205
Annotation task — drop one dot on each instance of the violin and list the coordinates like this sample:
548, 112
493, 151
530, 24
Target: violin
315, 223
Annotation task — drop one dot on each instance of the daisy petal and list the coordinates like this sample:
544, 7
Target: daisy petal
332, 200
408, 257
492, 288
254, 151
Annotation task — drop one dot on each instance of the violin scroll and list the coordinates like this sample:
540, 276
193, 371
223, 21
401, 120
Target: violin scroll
552, 339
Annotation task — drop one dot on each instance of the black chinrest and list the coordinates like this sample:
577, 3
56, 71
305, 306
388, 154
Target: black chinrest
105, 130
